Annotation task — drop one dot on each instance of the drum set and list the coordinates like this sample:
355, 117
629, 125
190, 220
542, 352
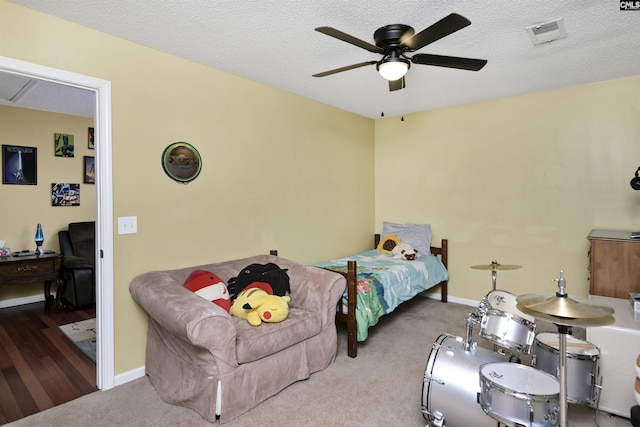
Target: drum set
467, 385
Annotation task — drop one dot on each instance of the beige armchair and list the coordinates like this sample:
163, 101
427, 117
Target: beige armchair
200, 357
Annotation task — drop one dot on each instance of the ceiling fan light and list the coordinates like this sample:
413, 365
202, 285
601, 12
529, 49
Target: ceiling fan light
393, 68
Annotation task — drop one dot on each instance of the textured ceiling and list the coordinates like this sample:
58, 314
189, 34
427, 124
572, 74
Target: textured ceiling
274, 42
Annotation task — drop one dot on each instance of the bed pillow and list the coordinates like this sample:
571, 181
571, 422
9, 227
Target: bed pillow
417, 235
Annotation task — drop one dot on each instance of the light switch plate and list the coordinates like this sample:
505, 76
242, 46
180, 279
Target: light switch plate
127, 225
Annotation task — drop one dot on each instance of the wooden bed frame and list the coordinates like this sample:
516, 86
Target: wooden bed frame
350, 316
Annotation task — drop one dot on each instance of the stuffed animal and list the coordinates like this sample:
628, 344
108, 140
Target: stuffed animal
210, 287
387, 243
252, 291
257, 306
237, 307
269, 274
405, 251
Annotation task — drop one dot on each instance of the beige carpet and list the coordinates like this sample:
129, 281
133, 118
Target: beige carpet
381, 387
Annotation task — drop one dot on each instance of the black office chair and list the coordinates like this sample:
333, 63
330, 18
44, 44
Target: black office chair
77, 245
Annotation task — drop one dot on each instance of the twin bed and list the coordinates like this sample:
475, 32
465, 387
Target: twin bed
378, 282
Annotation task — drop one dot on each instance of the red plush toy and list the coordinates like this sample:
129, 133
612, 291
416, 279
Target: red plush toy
210, 287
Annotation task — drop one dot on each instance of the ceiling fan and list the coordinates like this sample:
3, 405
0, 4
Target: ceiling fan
395, 41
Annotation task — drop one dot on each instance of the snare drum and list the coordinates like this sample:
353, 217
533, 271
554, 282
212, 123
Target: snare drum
582, 365
451, 385
519, 395
503, 324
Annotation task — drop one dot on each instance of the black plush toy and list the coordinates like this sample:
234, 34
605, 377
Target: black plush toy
270, 273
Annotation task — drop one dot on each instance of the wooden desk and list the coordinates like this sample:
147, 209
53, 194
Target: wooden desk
614, 263
31, 269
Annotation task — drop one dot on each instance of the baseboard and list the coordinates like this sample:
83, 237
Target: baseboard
463, 301
21, 301
131, 375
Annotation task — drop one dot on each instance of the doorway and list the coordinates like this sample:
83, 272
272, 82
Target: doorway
105, 378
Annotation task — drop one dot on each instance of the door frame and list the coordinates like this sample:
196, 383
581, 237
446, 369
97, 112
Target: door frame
105, 377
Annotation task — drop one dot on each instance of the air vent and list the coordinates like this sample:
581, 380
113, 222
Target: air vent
547, 31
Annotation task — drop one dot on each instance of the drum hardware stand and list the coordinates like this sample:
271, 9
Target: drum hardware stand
562, 378
494, 275
564, 312
595, 417
438, 418
469, 344
563, 331
514, 358
494, 267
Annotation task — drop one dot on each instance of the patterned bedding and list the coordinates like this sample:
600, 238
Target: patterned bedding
384, 282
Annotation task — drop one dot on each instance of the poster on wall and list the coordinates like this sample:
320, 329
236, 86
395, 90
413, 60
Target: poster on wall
91, 138
89, 170
64, 194
19, 165
63, 144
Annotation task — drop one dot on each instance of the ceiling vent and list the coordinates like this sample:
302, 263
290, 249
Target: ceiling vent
547, 31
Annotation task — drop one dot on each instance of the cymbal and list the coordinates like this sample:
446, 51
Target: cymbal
568, 321
496, 266
562, 309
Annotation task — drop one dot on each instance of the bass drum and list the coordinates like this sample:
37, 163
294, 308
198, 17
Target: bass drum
451, 384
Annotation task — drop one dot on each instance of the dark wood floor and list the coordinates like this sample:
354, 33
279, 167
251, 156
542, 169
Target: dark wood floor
39, 367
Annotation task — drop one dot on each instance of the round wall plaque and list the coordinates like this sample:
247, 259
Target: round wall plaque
181, 162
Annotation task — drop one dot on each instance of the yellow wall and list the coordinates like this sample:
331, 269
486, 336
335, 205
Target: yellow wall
522, 180
279, 171
24, 206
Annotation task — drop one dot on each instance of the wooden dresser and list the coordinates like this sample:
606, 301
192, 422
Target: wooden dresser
614, 263
31, 269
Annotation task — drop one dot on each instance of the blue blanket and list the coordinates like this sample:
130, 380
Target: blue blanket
384, 282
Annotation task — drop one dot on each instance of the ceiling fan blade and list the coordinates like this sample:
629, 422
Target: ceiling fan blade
349, 39
341, 69
449, 61
447, 25
396, 84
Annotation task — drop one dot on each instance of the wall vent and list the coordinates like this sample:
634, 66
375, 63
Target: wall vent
547, 31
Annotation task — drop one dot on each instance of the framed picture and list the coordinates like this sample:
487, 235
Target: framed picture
181, 162
89, 170
64, 194
19, 165
63, 144
90, 138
